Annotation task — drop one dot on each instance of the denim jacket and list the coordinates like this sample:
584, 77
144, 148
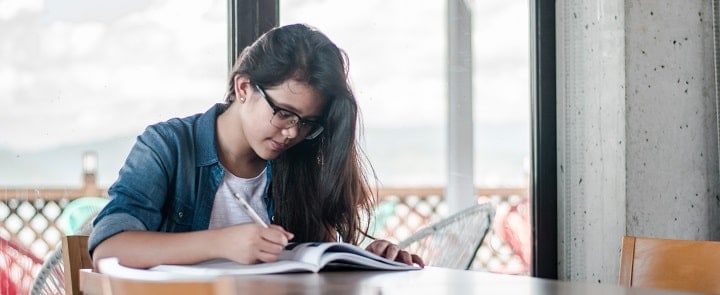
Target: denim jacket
169, 180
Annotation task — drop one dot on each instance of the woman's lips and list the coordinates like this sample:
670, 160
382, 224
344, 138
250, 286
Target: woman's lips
277, 146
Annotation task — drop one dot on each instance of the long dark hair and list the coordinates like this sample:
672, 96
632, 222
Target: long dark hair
319, 187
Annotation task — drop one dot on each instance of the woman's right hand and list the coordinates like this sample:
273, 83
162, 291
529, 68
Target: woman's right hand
251, 243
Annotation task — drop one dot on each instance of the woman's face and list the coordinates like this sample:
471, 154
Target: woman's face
265, 111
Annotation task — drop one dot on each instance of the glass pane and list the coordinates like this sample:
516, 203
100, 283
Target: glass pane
398, 54
88, 75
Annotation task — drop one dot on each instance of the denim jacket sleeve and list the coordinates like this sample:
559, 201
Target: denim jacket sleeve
168, 181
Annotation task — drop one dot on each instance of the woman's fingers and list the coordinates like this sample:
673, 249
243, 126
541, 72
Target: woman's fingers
393, 252
404, 257
253, 243
276, 235
288, 235
378, 247
417, 260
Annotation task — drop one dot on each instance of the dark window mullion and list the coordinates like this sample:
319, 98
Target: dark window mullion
544, 144
247, 20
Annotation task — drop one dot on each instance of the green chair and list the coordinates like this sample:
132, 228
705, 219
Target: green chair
79, 212
383, 211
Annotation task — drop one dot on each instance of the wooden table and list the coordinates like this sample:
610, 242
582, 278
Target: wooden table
431, 280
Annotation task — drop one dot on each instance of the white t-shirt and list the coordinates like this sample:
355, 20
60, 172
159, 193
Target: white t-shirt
226, 209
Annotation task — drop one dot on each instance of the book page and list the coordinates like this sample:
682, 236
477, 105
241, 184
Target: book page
297, 257
310, 253
112, 267
218, 267
356, 257
322, 254
302, 257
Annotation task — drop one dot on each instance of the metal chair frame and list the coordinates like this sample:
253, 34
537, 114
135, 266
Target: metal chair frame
453, 242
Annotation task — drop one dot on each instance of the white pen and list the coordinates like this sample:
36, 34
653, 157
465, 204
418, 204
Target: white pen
249, 210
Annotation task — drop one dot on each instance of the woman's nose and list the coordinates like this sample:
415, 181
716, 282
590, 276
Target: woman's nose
291, 132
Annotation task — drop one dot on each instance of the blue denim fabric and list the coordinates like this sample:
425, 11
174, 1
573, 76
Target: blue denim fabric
169, 180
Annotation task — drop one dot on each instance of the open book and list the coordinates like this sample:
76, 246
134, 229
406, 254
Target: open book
297, 257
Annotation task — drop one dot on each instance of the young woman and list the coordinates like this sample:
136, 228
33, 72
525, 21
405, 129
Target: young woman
284, 140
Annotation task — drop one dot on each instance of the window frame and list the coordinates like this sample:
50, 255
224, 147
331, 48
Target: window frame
543, 179
248, 19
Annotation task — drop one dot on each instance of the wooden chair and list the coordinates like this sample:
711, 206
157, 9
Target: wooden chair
454, 241
119, 286
76, 260
77, 218
75, 257
61, 265
670, 264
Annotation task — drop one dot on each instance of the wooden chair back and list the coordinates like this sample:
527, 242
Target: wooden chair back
119, 286
75, 257
670, 264
78, 215
94, 283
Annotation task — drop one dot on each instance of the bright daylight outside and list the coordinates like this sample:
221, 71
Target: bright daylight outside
80, 79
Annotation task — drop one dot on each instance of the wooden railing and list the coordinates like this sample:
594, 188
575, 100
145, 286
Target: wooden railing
29, 217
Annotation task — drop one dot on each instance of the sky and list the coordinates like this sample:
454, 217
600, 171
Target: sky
65, 79
398, 52
73, 71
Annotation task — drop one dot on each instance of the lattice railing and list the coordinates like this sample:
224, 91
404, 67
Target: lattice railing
405, 210
30, 217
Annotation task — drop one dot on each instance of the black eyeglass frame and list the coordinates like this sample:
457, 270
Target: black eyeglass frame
312, 128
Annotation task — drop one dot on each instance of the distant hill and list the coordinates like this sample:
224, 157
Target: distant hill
63, 166
417, 156
400, 156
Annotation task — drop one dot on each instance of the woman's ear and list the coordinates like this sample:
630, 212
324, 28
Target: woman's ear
243, 88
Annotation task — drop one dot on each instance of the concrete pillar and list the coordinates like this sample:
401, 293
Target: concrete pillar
460, 191
637, 135
672, 171
591, 138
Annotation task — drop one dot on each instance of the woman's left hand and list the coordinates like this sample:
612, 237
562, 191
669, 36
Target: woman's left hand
391, 251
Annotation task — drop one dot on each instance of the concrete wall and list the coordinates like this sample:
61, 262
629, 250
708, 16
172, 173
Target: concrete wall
637, 132
671, 120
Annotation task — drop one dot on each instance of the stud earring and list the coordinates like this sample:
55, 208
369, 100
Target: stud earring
242, 100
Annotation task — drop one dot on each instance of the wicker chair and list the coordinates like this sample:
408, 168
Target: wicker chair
17, 268
454, 241
78, 216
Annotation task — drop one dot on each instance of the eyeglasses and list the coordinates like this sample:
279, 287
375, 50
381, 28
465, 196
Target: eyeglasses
285, 119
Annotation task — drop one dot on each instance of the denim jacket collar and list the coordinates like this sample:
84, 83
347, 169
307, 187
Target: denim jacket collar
205, 142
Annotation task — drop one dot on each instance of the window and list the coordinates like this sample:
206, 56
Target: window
85, 75
398, 56
82, 75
